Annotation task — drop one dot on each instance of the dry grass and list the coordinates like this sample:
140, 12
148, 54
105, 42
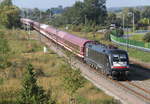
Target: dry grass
47, 67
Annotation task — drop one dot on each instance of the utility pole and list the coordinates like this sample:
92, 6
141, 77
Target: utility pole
28, 26
39, 26
29, 32
127, 40
85, 20
123, 21
133, 22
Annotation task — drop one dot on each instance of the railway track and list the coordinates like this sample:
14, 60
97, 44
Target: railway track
138, 91
128, 86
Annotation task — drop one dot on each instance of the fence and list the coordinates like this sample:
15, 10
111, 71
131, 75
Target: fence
142, 31
131, 43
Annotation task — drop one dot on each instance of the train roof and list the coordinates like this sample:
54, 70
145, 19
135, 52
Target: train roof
66, 36
73, 38
106, 49
26, 21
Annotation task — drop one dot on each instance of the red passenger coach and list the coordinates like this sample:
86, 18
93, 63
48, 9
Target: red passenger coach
69, 41
26, 21
73, 43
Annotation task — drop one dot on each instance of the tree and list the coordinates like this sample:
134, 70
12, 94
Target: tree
74, 14
9, 14
95, 10
145, 13
146, 37
6, 3
49, 12
128, 12
72, 80
111, 18
86, 12
31, 92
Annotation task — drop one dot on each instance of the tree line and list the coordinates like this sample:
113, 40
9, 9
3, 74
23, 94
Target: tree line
86, 12
141, 17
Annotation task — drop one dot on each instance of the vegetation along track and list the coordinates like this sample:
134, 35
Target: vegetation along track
129, 87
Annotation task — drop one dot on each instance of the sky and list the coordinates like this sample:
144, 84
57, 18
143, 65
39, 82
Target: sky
44, 4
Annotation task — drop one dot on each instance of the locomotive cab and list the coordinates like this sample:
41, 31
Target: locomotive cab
119, 63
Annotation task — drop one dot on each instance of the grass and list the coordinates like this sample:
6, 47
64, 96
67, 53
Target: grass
137, 37
137, 54
47, 68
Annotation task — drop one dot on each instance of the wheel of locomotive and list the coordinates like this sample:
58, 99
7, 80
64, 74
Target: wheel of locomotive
96, 68
102, 70
114, 75
91, 65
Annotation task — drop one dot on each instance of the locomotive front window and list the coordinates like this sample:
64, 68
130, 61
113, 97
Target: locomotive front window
119, 57
123, 57
115, 59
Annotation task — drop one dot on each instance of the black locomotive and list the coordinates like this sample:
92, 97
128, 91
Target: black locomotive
111, 61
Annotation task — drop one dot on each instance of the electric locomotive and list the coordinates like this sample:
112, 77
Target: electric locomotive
111, 61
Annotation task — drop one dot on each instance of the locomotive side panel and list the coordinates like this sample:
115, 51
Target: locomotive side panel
97, 59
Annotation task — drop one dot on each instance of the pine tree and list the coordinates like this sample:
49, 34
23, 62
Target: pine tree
31, 92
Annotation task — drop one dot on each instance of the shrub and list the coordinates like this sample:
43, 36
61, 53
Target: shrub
77, 28
107, 35
72, 79
1, 81
146, 37
119, 32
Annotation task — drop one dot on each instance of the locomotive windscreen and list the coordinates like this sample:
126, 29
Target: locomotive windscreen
119, 57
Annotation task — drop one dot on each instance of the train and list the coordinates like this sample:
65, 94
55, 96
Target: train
110, 60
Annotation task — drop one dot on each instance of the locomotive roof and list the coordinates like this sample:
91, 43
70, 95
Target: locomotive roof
105, 49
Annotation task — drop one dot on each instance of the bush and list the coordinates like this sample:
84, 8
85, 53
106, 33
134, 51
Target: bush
1, 81
119, 32
107, 35
72, 79
146, 37
77, 28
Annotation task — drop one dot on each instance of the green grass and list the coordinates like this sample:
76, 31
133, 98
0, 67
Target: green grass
137, 54
137, 37
1, 81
